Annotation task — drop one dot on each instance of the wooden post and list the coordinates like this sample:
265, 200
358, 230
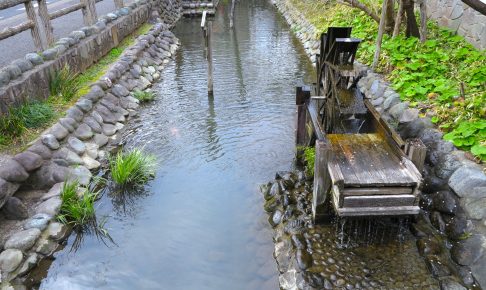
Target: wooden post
416, 150
89, 12
210, 58
301, 96
322, 183
46, 21
29, 9
232, 13
423, 21
381, 30
119, 4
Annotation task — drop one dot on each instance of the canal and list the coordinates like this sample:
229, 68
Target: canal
199, 223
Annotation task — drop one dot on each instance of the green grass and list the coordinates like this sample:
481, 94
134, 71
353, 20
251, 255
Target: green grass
144, 96
77, 210
11, 125
309, 157
36, 114
132, 168
428, 75
64, 84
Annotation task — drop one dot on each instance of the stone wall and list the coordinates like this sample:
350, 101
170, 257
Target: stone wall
28, 78
31, 182
459, 17
454, 189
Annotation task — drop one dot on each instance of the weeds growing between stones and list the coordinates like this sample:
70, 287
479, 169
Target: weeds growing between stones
144, 96
64, 84
132, 168
77, 210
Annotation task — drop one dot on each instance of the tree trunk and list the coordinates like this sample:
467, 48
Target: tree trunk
412, 27
390, 17
361, 6
423, 20
398, 20
381, 30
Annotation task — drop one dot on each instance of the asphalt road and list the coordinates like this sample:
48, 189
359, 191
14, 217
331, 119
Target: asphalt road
19, 45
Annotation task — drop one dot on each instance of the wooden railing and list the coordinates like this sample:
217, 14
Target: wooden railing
42, 28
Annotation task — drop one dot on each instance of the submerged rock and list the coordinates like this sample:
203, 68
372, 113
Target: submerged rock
304, 259
276, 218
467, 252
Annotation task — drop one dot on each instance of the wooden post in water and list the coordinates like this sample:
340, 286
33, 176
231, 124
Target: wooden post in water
232, 13
207, 27
322, 183
416, 150
301, 96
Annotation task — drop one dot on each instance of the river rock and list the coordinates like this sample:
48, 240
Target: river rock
59, 131
50, 207
29, 160
75, 113
13, 171
414, 128
275, 218
7, 189
95, 93
38, 221
22, 240
14, 71
85, 105
50, 141
465, 179
83, 132
45, 247
97, 117
100, 140
456, 227
288, 280
445, 202
15, 209
48, 174
76, 145
40, 149
28, 264
69, 124
120, 91
304, 259
449, 283
90, 163
475, 207
10, 259
4, 77
81, 174
446, 165
437, 221
109, 129
56, 231
67, 155
467, 252
55, 190
34, 58
23, 64
271, 204
106, 114
397, 110
274, 190
92, 150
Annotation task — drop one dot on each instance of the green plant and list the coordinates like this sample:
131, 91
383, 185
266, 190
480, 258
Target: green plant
309, 157
132, 168
11, 124
77, 210
144, 96
470, 135
64, 84
36, 114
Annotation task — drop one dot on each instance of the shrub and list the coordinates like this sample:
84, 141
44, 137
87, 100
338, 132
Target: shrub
64, 84
36, 114
11, 124
309, 157
75, 210
144, 96
132, 168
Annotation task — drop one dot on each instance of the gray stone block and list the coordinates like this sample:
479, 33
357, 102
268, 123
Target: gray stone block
465, 179
29, 160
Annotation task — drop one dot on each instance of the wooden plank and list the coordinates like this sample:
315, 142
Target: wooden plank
66, 10
379, 200
203, 19
11, 31
29, 9
46, 21
314, 115
384, 125
322, 180
389, 190
4, 4
378, 211
416, 151
337, 180
89, 12
478, 5
210, 58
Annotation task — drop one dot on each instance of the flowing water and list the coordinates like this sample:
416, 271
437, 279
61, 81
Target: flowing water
199, 224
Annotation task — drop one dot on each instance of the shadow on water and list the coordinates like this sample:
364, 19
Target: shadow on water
199, 223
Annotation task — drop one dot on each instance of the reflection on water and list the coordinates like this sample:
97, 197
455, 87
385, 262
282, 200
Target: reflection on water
199, 224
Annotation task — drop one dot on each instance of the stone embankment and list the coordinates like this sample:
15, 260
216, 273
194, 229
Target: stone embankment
74, 147
453, 221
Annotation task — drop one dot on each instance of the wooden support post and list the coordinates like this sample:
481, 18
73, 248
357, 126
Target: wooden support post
119, 4
89, 12
46, 21
416, 150
29, 9
301, 97
232, 13
210, 58
322, 183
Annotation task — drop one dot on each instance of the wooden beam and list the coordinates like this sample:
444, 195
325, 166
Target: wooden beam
378, 211
378, 200
384, 190
314, 116
66, 10
476, 5
89, 12
46, 21
322, 180
29, 9
11, 31
4, 4
416, 150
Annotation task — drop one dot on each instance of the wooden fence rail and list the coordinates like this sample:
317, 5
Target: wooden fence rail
39, 23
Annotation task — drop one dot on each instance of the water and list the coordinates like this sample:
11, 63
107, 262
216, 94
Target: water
199, 224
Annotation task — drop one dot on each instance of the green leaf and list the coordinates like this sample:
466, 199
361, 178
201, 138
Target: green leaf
478, 150
435, 119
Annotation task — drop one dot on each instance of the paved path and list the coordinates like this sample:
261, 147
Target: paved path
20, 44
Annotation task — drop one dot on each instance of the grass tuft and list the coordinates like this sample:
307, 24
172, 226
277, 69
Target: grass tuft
11, 125
64, 84
144, 96
36, 114
77, 210
132, 168
309, 157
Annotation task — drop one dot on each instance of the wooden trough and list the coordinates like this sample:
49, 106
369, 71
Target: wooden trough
362, 166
